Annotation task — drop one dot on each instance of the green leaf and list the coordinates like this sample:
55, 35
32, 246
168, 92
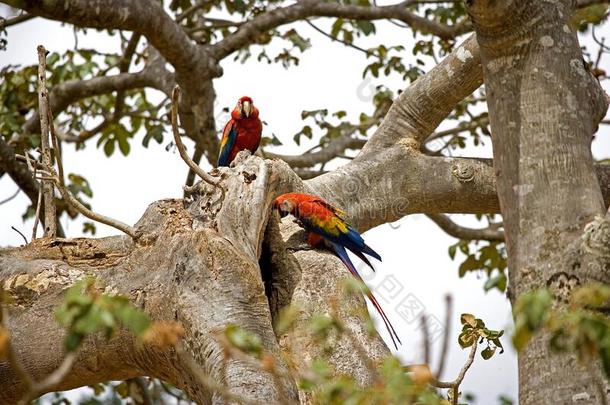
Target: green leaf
499, 281
488, 352
244, 340
73, 341
366, 27
471, 263
466, 339
452, 249
109, 147
468, 319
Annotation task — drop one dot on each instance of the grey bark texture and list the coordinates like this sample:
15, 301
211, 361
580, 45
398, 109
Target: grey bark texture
544, 106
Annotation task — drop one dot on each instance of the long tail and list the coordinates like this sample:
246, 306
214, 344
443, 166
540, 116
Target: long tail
342, 253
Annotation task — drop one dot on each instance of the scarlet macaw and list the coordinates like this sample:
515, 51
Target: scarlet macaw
243, 131
327, 223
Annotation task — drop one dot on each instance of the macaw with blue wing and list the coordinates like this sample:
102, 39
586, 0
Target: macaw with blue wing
327, 223
243, 131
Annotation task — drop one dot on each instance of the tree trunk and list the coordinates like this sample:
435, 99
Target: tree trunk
544, 107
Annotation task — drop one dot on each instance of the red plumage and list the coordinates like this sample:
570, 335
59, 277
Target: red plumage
242, 132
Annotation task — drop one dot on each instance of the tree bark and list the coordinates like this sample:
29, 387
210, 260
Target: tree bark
544, 107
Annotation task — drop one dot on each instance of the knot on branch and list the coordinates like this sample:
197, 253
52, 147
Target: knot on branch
596, 238
463, 172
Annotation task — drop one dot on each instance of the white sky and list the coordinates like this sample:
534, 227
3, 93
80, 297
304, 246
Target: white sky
414, 250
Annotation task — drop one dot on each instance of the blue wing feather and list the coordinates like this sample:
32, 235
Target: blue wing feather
351, 240
226, 144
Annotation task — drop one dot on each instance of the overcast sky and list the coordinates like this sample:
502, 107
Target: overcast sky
415, 268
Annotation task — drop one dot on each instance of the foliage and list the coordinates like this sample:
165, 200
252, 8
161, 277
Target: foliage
489, 257
474, 329
85, 311
581, 326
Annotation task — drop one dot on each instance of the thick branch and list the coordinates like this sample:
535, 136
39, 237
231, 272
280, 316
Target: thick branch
141, 16
14, 20
18, 171
248, 32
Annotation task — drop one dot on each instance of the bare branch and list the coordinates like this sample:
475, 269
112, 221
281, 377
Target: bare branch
182, 150
15, 20
71, 200
17, 171
20, 233
491, 233
15, 194
455, 384
446, 336
423, 320
327, 35
37, 214
50, 214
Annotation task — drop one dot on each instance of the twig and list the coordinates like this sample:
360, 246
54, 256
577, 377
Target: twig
182, 150
455, 384
426, 340
71, 200
11, 197
37, 215
50, 215
19, 232
351, 45
446, 335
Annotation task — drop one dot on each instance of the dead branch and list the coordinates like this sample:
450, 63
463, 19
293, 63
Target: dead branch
50, 214
58, 180
181, 148
455, 384
446, 336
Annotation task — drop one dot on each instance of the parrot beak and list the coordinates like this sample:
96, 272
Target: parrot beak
246, 109
277, 207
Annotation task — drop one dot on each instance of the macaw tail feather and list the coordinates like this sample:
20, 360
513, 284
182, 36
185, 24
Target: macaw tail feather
342, 254
358, 247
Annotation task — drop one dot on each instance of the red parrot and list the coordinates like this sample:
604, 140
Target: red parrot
327, 223
243, 131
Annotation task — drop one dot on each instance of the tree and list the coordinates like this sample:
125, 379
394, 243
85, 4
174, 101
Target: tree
209, 263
